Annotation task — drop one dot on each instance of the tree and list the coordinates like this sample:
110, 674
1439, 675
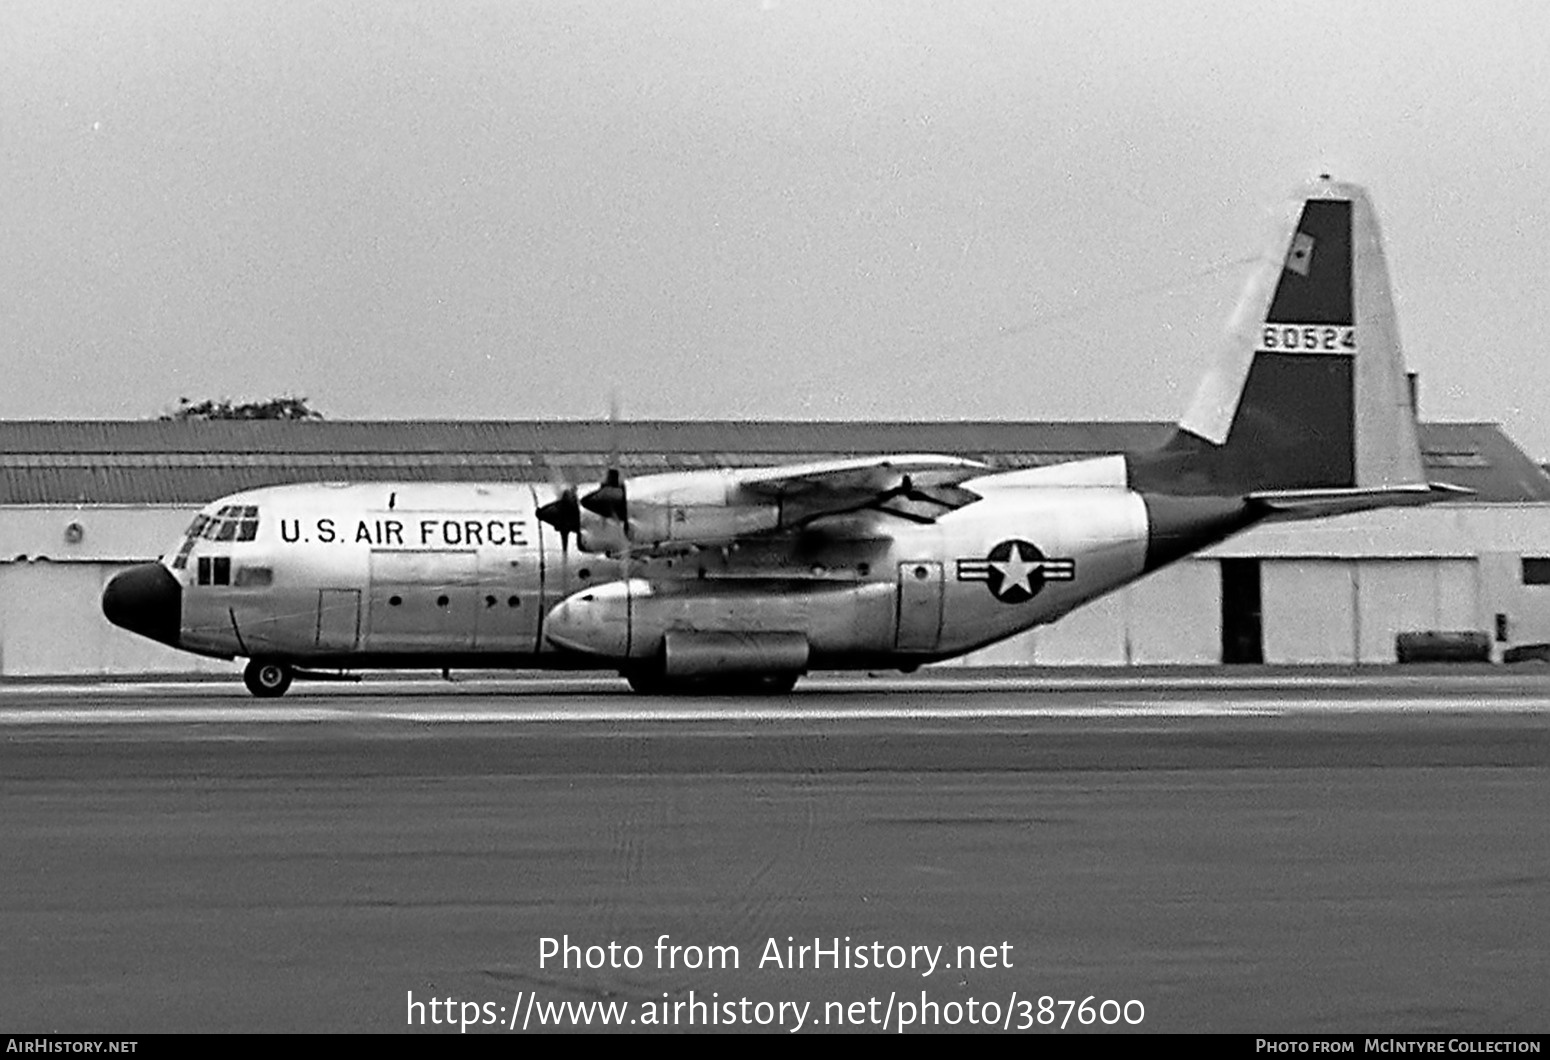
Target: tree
276, 408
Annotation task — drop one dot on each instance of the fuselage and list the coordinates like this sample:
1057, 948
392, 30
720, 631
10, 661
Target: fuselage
455, 574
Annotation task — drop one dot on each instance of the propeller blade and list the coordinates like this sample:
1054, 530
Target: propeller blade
563, 513
613, 432
608, 500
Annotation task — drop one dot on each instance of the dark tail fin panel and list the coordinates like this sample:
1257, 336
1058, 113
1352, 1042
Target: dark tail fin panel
1309, 390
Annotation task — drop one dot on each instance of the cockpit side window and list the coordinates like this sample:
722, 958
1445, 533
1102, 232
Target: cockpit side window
214, 570
190, 536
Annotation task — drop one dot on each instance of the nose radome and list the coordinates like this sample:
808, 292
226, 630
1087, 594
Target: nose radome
147, 600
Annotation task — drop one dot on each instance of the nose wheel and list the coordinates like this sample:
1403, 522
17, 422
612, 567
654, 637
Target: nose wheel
267, 678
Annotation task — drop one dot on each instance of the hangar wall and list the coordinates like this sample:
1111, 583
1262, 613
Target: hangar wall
1332, 592
54, 562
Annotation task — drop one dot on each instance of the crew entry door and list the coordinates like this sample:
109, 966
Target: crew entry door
339, 619
920, 605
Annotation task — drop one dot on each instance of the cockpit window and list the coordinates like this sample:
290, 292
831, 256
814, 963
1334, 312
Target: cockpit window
234, 522
190, 535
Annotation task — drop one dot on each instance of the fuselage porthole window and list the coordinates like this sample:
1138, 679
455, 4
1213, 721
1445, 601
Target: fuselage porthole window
394, 601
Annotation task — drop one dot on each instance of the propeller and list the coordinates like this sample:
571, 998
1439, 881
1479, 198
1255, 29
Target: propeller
563, 513
606, 500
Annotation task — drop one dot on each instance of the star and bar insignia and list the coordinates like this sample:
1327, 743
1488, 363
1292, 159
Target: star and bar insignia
1016, 570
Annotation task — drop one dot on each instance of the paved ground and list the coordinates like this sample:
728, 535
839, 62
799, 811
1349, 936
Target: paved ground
1303, 852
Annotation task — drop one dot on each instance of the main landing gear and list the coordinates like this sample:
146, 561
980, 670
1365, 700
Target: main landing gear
267, 678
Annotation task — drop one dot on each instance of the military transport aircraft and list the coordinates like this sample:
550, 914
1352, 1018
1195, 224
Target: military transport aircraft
746, 579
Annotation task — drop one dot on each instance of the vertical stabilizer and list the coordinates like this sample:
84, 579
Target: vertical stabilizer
1309, 389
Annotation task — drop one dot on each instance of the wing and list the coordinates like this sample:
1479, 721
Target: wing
682, 511
920, 488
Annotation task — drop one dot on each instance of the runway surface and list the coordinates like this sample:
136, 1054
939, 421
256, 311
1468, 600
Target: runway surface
1261, 852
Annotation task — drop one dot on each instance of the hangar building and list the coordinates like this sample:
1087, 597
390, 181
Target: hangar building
81, 500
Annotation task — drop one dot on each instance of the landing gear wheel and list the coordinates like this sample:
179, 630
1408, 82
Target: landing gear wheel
266, 678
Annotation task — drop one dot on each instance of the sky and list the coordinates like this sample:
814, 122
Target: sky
744, 209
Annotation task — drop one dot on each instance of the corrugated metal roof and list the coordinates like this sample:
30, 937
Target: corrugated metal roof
138, 462
295, 438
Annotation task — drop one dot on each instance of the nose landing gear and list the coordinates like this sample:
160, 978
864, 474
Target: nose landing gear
267, 678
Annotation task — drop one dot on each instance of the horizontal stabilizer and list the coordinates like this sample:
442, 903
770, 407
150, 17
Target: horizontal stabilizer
1316, 503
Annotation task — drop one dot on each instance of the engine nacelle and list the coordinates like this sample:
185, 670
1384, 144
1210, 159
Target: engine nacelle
699, 525
601, 536
693, 508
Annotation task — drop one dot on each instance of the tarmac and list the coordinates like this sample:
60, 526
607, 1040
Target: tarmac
1262, 851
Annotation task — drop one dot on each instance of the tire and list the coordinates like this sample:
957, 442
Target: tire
267, 678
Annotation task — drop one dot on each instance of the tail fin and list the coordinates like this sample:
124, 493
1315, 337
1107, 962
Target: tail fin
1309, 391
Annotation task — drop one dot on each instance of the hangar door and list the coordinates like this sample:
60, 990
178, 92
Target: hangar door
1412, 595
1309, 610
51, 623
51, 616
1349, 611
